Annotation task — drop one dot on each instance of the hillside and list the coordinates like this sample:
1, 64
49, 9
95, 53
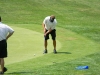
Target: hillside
76, 15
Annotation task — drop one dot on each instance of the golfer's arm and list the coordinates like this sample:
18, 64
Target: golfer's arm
49, 31
43, 25
10, 34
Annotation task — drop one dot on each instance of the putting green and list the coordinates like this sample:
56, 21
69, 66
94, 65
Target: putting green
25, 43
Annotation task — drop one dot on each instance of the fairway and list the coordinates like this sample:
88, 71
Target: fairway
78, 37
25, 43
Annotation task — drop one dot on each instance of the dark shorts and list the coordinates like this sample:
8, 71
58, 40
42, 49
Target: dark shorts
53, 35
3, 49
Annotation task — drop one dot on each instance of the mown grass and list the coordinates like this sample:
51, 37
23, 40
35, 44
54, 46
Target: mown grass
73, 53
79, 16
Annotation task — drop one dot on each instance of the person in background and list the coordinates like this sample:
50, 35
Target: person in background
49, 27
5, 33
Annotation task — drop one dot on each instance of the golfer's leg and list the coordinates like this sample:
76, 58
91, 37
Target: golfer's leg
45, 44
2, 64
54, 44
0, 61
45, 41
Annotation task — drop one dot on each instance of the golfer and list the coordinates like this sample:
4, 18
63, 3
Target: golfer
49, 25
5, 33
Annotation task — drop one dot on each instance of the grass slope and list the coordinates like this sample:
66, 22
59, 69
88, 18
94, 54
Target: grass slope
24, 44
79, 47
77, 15
73, 48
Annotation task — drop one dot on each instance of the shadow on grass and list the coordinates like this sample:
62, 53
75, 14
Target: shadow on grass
17, 73
64, 53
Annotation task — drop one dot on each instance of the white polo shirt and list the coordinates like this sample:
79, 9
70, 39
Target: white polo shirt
4, 30
48, 24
